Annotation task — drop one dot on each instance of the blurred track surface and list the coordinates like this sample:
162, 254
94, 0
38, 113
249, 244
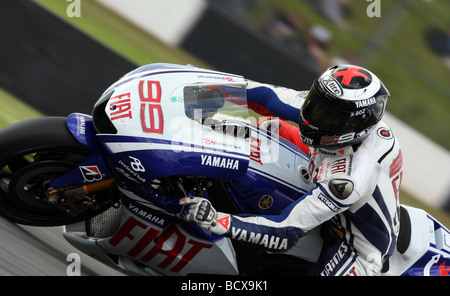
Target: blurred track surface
39, 251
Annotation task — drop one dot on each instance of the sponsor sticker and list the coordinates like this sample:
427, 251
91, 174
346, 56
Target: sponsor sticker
91, 173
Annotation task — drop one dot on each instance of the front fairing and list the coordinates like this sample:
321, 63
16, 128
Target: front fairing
180, 120
173, 123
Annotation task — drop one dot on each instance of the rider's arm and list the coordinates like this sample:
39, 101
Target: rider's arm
276, 232
281, 232
270, 100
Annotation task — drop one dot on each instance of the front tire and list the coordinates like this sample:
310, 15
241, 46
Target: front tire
32, 153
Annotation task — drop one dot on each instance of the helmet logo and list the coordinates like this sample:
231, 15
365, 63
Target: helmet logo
350, 73
385, 133
332, 85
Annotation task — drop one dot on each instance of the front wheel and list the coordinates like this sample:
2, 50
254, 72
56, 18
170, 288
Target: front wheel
32, 153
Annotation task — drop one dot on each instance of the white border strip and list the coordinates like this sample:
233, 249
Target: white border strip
168, 20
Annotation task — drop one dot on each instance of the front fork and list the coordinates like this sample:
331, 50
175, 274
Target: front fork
70, 192
75, 199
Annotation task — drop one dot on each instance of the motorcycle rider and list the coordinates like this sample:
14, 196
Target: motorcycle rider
355, 162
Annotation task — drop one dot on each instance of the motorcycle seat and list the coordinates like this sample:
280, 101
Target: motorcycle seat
404, 236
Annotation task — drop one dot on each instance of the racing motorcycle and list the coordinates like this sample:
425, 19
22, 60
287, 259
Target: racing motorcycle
162, 132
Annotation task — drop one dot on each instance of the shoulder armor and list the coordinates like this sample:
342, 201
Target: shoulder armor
341, 188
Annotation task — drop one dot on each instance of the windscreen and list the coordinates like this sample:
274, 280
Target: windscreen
207, 103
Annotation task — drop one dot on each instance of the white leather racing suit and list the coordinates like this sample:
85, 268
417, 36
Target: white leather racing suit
356, 198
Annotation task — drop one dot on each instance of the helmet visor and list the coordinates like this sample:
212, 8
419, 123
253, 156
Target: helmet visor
320, 115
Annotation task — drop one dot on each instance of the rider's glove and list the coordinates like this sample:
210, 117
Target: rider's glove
202, 212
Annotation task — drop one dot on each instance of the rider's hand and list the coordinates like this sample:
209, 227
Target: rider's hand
202, 212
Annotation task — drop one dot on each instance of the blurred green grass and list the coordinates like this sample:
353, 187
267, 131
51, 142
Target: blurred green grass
141, 48
13, 110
